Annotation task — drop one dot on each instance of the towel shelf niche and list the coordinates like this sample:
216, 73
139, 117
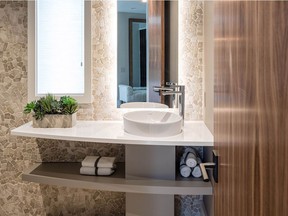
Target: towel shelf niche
67, 174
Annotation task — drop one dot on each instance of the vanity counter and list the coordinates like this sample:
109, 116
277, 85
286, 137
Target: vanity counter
194, 133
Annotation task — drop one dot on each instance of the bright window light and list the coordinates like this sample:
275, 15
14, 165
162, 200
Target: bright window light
59, 49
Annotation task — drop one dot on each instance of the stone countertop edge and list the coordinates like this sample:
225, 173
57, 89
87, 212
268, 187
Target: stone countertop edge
194, 133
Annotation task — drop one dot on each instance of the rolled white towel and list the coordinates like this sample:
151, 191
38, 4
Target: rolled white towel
100, 162
106, 162
190, 149
190, 155
190, 159
197, 172
185, 171
96, 171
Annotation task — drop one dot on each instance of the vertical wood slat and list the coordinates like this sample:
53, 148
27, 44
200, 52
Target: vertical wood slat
272, 105
156, 47
251, 103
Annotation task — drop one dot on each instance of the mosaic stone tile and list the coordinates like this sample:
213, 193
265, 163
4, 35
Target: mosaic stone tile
72, 151
64, 201
17, 154
191, 56
188, 205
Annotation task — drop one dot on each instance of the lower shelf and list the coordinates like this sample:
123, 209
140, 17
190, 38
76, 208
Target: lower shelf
67, 174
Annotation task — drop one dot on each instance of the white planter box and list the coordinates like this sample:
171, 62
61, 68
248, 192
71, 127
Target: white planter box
55, 121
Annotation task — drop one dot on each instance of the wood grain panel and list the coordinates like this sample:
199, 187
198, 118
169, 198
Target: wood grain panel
251, 100
156, 45
272, 101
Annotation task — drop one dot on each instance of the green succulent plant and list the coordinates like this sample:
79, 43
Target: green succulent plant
68, 104
50, 105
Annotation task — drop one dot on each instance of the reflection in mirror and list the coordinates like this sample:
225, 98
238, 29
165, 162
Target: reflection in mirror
137, 53
132, 59
147, 50
143, 105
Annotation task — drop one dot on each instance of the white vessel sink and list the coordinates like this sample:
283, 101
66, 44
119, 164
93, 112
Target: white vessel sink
143, 105
152, 123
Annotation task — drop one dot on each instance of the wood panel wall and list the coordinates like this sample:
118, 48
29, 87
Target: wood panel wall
156, 47
251, 107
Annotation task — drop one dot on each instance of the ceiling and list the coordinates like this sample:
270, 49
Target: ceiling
132, 6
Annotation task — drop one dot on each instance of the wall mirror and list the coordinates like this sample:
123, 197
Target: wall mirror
147, 52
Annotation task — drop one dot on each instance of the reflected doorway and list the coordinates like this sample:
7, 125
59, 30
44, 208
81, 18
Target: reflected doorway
137, 52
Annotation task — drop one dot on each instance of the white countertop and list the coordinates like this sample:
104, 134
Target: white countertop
195, 133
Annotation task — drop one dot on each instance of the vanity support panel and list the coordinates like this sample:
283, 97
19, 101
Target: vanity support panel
160, 165
209, 200
148, 204
157, 162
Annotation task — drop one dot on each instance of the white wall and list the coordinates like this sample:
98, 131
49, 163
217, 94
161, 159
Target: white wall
173, 41
209, 64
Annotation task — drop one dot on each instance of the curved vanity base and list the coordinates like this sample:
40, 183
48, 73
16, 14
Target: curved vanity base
154, 162
67, 174
149, 176
147, 204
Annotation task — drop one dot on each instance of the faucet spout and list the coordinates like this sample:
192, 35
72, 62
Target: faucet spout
162, 88
182, 102
177, 91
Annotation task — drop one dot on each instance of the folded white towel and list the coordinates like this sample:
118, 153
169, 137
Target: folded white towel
100, 162
106, 162
90, 161
96, 171
197, 172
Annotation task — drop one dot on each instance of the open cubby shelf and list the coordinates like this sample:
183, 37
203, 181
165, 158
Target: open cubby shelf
67, 174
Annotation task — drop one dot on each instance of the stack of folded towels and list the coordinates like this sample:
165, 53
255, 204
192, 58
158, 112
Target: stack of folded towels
190, 163
96, 165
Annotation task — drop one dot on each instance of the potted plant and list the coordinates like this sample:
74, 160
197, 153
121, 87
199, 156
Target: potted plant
48, 112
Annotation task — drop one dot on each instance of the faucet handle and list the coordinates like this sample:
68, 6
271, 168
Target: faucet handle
162, 88
157, 88
171, 84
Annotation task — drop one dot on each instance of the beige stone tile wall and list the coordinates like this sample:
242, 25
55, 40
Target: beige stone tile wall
16, 154
191, 56
191, 44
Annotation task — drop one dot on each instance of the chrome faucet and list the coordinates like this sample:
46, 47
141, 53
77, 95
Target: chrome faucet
178, 91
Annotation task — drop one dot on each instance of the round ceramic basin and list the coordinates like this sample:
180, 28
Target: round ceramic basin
143, 105
152, 123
